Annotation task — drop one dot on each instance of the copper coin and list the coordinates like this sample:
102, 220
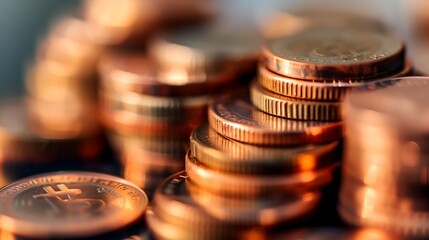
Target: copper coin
133, 71
335, 53
292, 108
224, 154
208, 49
233, 116
174, 208
234, 184
327, 90
254, 211
55, 205
28, 135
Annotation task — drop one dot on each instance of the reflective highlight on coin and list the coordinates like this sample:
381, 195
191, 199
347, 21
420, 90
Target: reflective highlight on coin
65, 204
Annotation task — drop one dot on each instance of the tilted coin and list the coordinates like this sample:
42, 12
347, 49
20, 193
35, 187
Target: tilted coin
292, 108
234, 184
233, 116
224, 154
70, 204
209, 48
327, 90
335, 53
174, 208
124, 71
264, 211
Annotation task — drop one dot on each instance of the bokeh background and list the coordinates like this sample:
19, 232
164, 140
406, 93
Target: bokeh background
23, 23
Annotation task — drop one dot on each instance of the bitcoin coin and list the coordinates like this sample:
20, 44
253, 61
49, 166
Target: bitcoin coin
233, 116
223, 154
334, 53
292, 108
70, 204
255, 185
327, 90
126, 71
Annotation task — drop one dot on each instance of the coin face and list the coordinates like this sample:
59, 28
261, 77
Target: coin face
233, 116
334, 53
65, 204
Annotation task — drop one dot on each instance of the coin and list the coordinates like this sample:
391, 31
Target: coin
167, 109
223, 154
292, 108
326, 233
233, 116
173, 206
70, 204
327, 90
126, 71
264, 211
24, 138
131, 22
255, 185
335, 53
208, 49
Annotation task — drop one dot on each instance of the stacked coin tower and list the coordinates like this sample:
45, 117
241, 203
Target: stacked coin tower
264, 158
152, 102
385, 170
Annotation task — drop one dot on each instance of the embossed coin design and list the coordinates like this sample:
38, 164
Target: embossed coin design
70, 204
335, 53
233, 116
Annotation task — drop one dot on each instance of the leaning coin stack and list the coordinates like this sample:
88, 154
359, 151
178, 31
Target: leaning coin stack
385, 170
152, 102
71, 205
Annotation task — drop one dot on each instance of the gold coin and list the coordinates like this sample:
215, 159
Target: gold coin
335, 53
328, 90
233, 116
157, 108
264, 211
224, 154
126, 71
234, 184
208, 49
53, 205
292, 108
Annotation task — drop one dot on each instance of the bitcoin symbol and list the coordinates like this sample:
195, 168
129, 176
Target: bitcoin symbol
68, 200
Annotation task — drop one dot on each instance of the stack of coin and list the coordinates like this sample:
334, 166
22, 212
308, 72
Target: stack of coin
71, 205
385, 170
305, 76
151, 106
243, 175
